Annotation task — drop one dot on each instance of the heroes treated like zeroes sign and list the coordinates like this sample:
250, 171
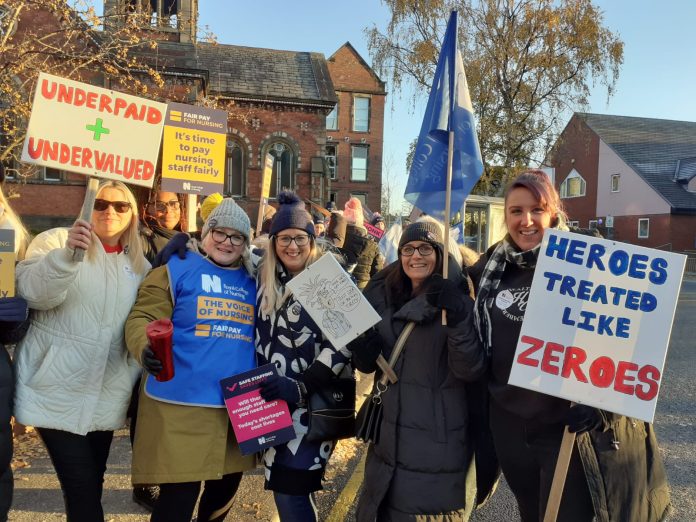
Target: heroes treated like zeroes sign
598, 323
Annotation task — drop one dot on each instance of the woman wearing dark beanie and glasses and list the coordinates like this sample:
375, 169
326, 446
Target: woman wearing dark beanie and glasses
306, 360
421, 465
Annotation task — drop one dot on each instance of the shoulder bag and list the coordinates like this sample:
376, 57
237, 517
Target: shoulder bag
369, 419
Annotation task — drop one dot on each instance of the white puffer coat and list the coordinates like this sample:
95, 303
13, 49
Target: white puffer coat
73, 370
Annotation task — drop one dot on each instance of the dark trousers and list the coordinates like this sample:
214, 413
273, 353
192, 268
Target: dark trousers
6, 487
295, 508
80, 463
527, 451
177, 501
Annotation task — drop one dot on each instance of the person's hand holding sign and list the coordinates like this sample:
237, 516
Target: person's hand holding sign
80, 235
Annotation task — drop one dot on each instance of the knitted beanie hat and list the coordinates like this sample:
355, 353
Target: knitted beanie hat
376, 218
291, 213
228, 215
209, 204
353, 212
422, 231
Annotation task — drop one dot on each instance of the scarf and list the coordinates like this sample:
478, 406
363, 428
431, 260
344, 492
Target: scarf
505, 252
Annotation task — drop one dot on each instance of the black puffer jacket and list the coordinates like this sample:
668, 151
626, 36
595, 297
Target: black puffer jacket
363, 254
421, 464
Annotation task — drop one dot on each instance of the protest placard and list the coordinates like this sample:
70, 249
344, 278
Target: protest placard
333, 301
194, 149
257, 424
265, 190
7, 263
90, 130
598, 322
375, 232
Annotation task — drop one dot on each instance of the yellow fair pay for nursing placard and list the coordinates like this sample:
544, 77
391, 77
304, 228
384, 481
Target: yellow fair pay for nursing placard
7, 263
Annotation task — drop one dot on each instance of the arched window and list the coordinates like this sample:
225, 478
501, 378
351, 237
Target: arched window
283, 177
235, 170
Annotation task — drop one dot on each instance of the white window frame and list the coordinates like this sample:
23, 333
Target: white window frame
334, 119
617, 177
332, 159
353, 169
44, 175
362, 196
575, 224
647, 228
592, 225
354, 125
564, 186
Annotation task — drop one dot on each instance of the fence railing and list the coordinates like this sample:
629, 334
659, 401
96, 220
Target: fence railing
691, 266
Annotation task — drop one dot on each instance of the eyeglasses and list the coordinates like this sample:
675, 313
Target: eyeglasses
424, 250
161, 206
121, 207
219, 237
300, 240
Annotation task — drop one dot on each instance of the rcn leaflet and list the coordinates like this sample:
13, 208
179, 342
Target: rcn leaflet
257, 424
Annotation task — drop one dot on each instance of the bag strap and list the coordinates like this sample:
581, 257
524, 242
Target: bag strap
388, 374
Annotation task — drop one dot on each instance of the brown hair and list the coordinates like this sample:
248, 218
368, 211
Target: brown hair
539, 184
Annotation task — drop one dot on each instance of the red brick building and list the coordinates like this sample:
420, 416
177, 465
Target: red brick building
633, 178
277, 101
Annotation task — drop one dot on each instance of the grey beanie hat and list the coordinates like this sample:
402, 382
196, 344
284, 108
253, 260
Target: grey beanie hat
422, 231
228, 215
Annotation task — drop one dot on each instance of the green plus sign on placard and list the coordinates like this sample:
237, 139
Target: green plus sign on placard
97, 129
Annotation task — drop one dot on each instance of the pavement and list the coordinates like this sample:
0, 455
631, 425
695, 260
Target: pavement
38, 497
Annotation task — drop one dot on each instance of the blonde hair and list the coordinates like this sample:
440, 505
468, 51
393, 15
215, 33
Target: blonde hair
273, 293
22, 236
130, 238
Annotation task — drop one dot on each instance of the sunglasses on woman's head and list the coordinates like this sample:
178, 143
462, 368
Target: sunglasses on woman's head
121, 207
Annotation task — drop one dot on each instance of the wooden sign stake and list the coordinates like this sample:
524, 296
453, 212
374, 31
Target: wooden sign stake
559, 476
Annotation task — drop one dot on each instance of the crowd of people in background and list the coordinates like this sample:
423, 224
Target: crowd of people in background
450, 422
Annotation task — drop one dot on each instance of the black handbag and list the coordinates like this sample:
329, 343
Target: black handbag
369, 419
331, 411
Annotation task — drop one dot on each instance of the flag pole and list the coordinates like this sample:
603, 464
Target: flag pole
448, 197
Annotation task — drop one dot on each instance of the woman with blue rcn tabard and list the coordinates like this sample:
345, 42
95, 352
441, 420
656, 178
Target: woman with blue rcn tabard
183, 434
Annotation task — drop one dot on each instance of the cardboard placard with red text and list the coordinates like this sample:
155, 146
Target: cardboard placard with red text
90, 130
597, 322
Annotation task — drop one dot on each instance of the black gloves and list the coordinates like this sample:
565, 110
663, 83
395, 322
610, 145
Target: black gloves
151, 363
317, 376
581, 418
448, 295
281, 387
365, 349
13, 309
176, 245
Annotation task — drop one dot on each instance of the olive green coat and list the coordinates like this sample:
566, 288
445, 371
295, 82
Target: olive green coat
175, 443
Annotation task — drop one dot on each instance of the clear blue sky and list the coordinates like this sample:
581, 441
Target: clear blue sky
658, 77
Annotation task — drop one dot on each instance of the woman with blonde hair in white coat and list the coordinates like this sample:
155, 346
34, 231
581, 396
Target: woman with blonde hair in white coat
74, 374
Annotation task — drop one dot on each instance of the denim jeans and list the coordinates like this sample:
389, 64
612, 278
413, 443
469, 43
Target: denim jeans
295, 508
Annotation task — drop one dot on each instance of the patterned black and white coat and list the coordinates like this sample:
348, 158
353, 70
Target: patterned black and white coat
291, 340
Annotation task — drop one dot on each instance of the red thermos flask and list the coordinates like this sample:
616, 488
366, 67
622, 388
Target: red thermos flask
159, 333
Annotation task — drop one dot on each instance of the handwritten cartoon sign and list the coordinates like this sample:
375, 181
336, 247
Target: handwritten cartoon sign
257, 424
598, 322
194, 150
333, 301
7, 263
81, 128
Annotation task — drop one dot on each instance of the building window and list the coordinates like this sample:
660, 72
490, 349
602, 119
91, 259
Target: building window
360, 196
331, 153
283, 177
159, 13
333, 196
643, 228
235, 170
361, 113
358, 166
615, 178
575, 224
51, 174
573, 186
593, 224
332, 119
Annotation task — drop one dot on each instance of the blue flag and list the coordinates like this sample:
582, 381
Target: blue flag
449, 108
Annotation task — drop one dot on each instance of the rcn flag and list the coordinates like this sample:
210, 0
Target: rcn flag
449, 109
